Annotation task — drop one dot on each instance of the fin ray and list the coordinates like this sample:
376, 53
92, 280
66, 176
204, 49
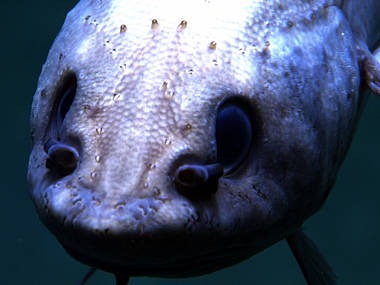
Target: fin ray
314, 267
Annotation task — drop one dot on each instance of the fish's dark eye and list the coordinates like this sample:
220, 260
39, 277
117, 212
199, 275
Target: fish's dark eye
64, 104
62, 148
233, 135
65, 99
64, 94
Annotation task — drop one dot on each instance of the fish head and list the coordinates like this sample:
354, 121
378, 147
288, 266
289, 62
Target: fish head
178, 143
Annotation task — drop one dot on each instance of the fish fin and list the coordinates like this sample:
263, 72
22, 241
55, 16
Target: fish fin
313, 265
88, 275
372, 70
121, 280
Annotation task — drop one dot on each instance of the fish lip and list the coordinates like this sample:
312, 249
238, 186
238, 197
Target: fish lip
77, 208
190, 267
163, 256
108, 245
101, 246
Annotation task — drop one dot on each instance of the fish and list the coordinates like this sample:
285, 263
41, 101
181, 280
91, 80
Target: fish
178, 138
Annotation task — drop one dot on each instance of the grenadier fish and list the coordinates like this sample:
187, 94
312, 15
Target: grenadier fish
177, 138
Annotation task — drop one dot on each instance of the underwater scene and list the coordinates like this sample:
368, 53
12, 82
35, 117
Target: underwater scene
346, 229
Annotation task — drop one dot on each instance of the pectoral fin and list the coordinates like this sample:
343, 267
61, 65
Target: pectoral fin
313, 265
88, 275
372, 71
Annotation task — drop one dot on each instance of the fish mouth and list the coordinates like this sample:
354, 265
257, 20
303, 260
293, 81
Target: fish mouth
153, 235
77, 208
139, 234
166, 255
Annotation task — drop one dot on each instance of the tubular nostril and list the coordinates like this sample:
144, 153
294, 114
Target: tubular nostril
198, 181
63, 159
191, 175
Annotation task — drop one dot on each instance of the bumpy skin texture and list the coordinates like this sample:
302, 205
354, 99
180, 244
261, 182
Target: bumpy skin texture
146, 102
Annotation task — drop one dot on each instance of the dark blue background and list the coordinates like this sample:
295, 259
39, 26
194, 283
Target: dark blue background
346, 229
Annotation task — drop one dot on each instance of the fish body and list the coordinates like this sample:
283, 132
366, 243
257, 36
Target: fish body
129, 168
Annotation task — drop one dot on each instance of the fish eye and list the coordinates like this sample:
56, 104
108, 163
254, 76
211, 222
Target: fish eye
65, 99
64, 105
233, 134
63, 157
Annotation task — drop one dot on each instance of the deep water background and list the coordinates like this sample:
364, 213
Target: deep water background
346, 229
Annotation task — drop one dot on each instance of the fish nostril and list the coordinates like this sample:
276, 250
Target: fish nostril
198, 181
191, 175
62, 158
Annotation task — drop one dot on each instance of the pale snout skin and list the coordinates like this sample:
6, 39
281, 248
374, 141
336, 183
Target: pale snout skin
176, 138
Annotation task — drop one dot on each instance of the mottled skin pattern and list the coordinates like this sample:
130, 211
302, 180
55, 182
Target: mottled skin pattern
146, 101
